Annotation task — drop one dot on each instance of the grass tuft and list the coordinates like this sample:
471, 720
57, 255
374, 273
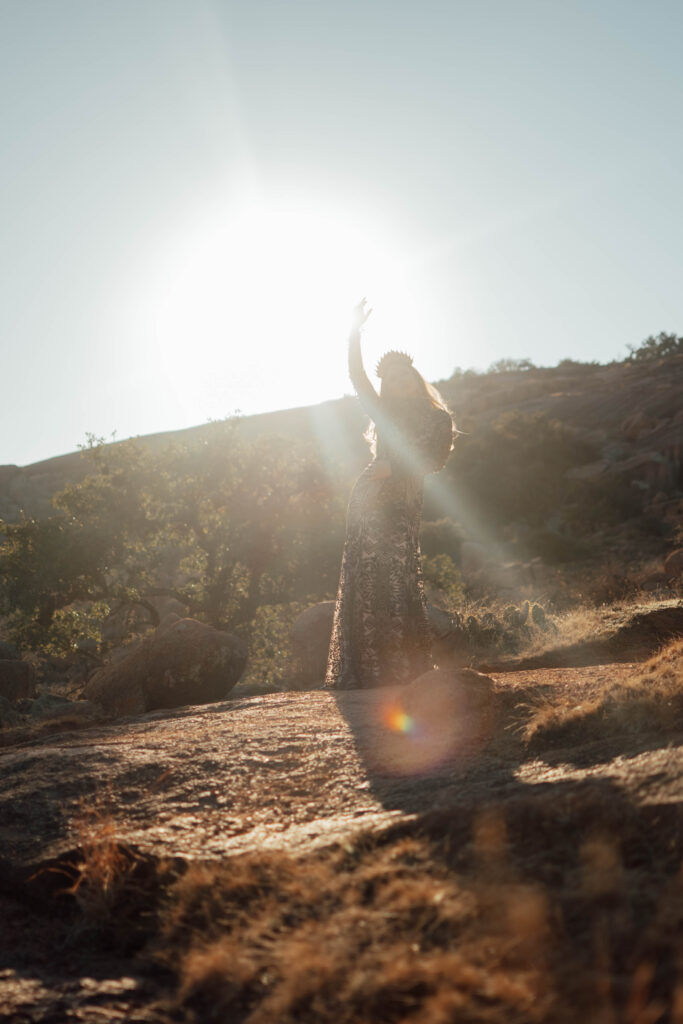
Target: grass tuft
649, 703
452, 918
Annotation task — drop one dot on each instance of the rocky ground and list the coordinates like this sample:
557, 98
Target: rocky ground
297, 774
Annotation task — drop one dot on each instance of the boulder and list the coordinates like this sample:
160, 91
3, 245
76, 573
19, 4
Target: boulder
673, 564
186, 662
168, 607
443, 715
460, 700
17, 679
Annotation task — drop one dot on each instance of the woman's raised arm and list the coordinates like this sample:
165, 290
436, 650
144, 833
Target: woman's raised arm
369, 398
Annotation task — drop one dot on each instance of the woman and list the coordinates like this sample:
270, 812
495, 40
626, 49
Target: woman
380, 633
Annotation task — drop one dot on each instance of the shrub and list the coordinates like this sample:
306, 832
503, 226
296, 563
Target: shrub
656, 347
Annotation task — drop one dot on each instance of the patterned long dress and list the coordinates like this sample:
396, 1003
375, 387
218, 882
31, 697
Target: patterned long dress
380, 633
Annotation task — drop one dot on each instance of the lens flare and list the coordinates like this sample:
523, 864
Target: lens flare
442, 717
399, 720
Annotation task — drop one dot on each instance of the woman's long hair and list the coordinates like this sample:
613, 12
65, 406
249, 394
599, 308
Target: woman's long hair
428, 396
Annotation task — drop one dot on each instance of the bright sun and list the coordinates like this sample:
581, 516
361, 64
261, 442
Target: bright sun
250, 306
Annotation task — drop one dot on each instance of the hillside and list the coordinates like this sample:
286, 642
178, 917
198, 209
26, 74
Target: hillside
630, 413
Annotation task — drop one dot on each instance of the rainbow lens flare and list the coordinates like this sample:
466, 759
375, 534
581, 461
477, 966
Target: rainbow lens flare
398, 720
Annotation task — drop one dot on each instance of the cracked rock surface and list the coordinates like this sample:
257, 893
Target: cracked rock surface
291, 771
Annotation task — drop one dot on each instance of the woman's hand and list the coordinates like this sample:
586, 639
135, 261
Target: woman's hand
360, 315
380, 469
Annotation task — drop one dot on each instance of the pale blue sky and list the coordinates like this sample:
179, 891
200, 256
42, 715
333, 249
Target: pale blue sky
191, 193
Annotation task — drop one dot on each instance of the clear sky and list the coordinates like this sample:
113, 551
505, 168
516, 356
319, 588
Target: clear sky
193, 192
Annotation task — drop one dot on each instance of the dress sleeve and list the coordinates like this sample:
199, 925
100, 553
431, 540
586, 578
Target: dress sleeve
369, 398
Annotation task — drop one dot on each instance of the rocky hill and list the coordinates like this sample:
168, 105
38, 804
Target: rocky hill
630, 413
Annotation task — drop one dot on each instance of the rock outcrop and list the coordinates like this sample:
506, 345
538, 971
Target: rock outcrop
453, 709
185, 662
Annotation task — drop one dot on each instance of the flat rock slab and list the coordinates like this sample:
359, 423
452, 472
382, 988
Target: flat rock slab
291, 770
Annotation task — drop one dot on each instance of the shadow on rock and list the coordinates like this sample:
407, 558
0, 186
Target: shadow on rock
420, 742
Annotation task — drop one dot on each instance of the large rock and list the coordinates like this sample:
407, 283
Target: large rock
187, 662
17, 679
132, 618
453, 708
443, 716
311, 632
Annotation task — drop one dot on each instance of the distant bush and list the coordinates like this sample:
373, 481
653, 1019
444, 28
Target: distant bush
577, 366
656, 347
510, 365
458, 373
441, 574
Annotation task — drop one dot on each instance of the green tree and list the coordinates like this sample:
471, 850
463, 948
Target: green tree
656, 347
224, 525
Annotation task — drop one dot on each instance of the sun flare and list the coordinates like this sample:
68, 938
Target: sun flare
250, 307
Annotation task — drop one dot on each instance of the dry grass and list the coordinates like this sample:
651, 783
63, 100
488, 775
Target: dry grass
102, 865
571, 627
649, 703
486, 632
367, 938
494, 915
115, 888
589, 623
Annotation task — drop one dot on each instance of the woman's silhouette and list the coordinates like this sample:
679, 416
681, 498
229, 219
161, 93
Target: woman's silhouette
380, 634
